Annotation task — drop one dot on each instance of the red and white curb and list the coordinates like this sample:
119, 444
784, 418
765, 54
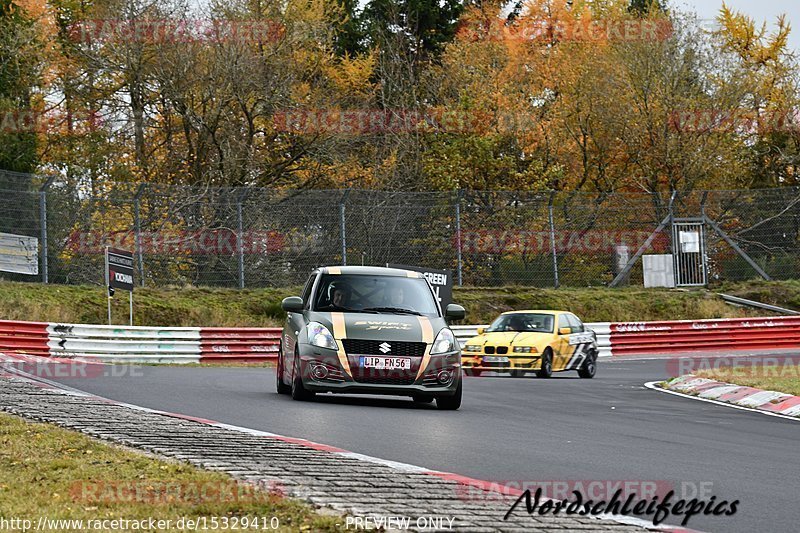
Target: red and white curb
727, 394
488, 486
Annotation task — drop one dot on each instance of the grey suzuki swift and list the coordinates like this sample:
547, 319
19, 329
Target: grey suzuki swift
370, 330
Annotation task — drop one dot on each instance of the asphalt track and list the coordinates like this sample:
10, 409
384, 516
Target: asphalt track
518, 430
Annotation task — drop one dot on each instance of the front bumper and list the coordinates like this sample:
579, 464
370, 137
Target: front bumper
471, 361
407, 384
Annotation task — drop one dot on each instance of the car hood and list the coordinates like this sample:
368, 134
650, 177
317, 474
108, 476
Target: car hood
383, 327
504, 338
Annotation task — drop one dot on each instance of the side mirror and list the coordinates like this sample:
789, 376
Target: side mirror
293, 304
565, 331
481, 331
455, 312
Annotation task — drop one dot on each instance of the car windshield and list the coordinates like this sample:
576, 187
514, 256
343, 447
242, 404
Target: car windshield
375, 294
523, 322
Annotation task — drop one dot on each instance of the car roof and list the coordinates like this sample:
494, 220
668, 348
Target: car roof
370, 271
540, 311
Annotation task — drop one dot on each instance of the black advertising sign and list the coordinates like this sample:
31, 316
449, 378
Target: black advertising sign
119, 264
440, 280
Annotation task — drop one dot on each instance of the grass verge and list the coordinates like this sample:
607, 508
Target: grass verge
60, 474
191, 306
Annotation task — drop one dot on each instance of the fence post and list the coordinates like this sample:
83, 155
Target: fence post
43, 226
137, 228
553, 238
342, 226
240, 236
459, 245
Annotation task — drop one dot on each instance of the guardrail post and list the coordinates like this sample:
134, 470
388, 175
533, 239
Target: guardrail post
459, 244
342, 226
553, 239
137, 228
43, 226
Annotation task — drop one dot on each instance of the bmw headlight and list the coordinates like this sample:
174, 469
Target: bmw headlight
318, 335
523, 349
472, 348
445, 342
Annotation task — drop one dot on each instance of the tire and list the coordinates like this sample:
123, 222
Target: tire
422, 399
517, 373
299, 392
546, 371
473, 372
589, 368
450, 403
281, 387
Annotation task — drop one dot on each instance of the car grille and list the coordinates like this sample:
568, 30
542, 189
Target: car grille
502, 350
384, 380
488, 350
399, 349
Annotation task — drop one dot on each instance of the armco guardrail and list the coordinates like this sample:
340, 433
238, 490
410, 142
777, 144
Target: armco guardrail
139, 344
191, 345
704, 335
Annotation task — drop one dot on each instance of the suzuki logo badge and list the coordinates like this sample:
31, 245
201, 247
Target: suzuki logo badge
385, 347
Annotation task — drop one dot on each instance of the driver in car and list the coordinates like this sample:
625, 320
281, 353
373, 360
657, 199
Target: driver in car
396, 296
339, 294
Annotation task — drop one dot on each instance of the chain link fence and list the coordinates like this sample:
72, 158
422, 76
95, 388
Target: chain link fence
250, 237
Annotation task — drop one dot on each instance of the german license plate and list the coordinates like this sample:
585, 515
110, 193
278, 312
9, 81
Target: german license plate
386, 363
490, 359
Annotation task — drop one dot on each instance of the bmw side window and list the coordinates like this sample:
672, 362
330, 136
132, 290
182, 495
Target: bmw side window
575, 324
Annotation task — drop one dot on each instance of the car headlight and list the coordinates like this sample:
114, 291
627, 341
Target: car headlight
523, 349
318, 335
445, 342
472, 348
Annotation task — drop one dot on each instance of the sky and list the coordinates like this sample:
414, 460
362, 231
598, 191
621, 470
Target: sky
760, 10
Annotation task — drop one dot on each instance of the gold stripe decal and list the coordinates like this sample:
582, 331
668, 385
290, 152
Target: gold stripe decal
340, 333
334, 270
427, 338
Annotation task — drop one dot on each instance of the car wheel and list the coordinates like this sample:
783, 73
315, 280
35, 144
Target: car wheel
299, 392
281, 387
450, 403
473, 372
422, 399
589, 368
517, 373
546, 371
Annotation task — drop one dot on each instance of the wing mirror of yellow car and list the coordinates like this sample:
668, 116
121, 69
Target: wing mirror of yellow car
481, 331
565, 331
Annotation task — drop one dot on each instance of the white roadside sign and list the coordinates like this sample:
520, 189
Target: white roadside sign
19, 254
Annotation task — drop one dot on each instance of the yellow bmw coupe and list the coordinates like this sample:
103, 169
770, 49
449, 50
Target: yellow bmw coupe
532, 341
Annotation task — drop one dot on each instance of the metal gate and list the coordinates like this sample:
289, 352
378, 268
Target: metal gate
689, 252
